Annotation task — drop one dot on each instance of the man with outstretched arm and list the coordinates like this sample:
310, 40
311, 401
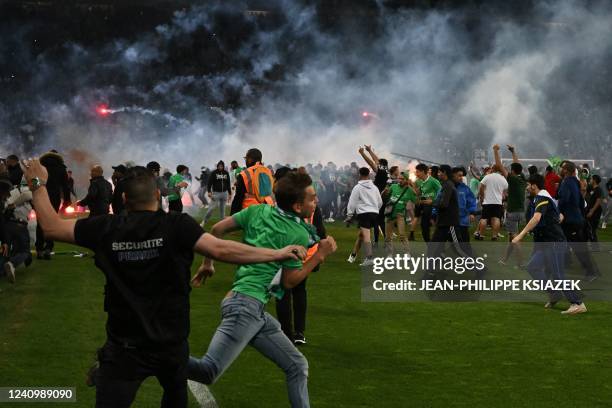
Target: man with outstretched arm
550, 245
146, 256
244, 319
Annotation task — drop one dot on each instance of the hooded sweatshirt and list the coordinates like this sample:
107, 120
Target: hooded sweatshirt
57, 182
365, 198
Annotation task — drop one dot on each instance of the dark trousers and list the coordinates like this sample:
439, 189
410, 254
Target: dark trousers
548, 261
426, 222
574, 233
295, 297
19, 240
332, 204
459, 237
176, 205
380, 224
122, 370
592, 228
41, 243
462, 239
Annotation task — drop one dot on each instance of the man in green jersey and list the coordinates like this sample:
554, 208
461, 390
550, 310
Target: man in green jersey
515, 201
244, 319
399, 196
175, 185
428, 188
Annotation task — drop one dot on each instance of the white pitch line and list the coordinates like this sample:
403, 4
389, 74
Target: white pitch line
202, 394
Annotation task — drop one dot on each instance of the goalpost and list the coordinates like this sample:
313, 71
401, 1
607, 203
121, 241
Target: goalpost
542, 163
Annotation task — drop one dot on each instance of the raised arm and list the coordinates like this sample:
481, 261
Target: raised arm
368, 160
498, 161
372, 154
515, 158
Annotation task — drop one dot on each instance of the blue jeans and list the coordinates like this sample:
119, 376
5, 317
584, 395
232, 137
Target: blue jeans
19, 240
219, 199
244, 321
550, 257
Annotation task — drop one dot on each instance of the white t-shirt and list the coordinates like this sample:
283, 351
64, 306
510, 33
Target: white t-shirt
494, 191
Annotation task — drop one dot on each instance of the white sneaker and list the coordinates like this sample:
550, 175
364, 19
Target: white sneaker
352, 258
367, 262
9, 269
604, 225
575, 309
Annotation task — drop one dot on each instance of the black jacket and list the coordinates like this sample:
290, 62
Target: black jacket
57, 183
99, 196
219, 181
447, 205
15, 174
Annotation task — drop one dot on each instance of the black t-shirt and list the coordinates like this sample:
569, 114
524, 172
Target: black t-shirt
594, 195
146, 257
380, 179
548, 229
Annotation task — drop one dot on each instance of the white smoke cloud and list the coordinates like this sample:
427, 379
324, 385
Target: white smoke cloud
429, 81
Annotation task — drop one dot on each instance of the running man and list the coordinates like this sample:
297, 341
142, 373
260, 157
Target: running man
146, 256
244, 319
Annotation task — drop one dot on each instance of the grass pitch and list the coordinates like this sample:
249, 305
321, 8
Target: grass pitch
360, 354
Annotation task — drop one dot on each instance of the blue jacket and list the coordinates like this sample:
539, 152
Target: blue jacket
570, 201
467, 204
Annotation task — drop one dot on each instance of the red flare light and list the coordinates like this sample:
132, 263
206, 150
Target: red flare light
69, 210
365, 114
103, 110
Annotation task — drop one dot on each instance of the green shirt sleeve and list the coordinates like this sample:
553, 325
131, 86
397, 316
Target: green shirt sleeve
242, 217
437, 186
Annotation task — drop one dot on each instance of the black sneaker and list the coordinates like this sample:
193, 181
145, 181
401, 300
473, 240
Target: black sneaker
47, 255
411, 236
299, 339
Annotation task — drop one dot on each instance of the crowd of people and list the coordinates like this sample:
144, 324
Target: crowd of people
138, 231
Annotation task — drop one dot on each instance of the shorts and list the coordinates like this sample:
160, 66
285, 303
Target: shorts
492, 211
367, 220
513, 220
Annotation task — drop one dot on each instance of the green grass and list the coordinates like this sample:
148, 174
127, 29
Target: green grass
360, 354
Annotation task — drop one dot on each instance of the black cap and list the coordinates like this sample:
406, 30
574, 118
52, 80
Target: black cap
120, 168
154, 166
254, 154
